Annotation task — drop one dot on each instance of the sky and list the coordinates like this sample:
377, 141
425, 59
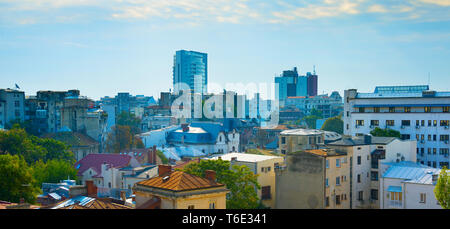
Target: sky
103, 47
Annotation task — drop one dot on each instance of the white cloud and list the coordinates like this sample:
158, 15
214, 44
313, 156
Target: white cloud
221, 11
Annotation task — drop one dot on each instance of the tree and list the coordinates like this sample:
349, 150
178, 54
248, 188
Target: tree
334, 124
378, 132
311, 121
118, 139
240, 180
161, 156
17, 179
442, 189
18, 142
53, 171
130, 120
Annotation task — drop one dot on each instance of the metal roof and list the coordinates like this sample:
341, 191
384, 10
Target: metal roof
246, 157
81, 200
394, 189
411, 172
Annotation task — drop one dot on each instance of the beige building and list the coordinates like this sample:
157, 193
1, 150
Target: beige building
180, 190
262, 165
304, 139
366, 155
313, 179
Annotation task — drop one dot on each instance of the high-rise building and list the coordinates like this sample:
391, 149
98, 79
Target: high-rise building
291, 84
190, 68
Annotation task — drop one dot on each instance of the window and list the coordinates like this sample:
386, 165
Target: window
434, 122
422, 122
391, 109
390, 122
376, 110
443, 151
265, 193
212, 205
445, 109
434, 151
374, 123
360, 195
429, 151
444, 123
374, 194
338, 200
434, 137
429, 122
406, 122
326, 182
283, 140
427, 109
327, 201
338, 180
360, 122
373, 175
191, 207
16, 103
407, 109
359, 160
109, 184
338, 163
423, 197
359, 178
361, 110
405, 136
443, 137
327, 164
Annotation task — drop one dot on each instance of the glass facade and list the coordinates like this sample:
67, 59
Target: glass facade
191, 68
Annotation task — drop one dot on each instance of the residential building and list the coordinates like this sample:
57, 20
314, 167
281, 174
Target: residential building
365, 155
408, 185
180, 190
329, 106
303, 139
207, 137
80, 144
190, 68
267, 137
12, 107
157, 122
415, 111
262, 165
313, 179
85, 202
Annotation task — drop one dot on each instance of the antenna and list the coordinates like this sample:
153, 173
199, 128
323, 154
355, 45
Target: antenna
429, 78
314, 69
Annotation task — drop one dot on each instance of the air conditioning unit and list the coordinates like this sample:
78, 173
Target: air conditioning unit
403, 127
422, 141
446, 142
417, 127
446, 127
371, 126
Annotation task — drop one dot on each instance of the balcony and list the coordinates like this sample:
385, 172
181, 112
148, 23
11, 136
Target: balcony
395, 204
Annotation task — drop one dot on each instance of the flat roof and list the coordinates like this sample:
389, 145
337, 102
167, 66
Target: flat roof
246, 157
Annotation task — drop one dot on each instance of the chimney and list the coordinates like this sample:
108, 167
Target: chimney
154, 154
210, 175
164, 169
91, 188
123, 196
185, 127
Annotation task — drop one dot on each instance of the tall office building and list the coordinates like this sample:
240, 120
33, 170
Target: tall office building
291, 84
414, 111
191, 68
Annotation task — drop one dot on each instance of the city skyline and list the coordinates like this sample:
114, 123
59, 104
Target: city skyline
128, 46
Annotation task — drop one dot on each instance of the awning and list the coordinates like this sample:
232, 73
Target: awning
394, 189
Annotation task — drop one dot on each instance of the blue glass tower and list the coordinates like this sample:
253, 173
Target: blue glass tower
191, 68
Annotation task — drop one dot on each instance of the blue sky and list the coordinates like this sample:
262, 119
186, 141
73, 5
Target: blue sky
107, 46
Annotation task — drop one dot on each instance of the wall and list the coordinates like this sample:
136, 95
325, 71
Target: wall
301, 184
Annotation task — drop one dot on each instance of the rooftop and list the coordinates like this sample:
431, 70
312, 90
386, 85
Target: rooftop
246, 157
179, 181
95, 162
359, 140
326, 152
302, 132
411, 172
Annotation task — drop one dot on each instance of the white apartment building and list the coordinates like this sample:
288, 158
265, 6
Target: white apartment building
407, 185
415, 111
366, 155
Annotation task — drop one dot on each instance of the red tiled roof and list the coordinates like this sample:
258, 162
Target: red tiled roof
95, 162
180, 181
